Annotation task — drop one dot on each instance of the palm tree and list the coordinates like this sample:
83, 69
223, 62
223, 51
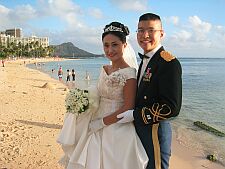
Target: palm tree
20, 49
12, 49
36, 46
26, 50
50, 50
2, 51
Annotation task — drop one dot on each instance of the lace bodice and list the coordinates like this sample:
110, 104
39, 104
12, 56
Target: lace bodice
111, 86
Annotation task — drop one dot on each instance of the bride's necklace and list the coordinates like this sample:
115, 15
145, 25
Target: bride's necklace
113, 69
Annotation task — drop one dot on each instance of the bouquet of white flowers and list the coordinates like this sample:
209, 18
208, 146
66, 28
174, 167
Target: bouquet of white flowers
78, 100
81, 105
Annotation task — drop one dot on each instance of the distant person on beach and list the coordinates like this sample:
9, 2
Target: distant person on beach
73, 75
159, 93
68, 75
100, 142
60, 73
3, 63
87, 77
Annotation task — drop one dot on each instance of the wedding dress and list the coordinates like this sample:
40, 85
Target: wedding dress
116, 146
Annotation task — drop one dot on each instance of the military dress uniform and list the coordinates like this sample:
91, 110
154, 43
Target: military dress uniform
158, 98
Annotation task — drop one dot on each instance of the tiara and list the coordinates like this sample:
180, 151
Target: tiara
112, 28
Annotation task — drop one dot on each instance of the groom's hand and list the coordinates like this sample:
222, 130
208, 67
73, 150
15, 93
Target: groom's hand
126, 116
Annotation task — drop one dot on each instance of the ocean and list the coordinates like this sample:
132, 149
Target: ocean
203, 98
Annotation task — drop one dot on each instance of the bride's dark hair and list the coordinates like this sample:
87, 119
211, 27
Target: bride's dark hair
118, 29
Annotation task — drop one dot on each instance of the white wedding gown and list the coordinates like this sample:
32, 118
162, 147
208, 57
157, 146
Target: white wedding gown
116, 146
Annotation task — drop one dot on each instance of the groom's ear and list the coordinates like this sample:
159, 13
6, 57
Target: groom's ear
125, 45
162, 34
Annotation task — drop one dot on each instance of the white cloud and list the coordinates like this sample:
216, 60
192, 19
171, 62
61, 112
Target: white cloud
76, 31
4, 10
131, 5
219, 37
62, 7
173, 20
96, 13
23, 13
18, 17
66, 10
4, 21
197, 39
198, 25
87, 38
181, 36
220, 33
200, 28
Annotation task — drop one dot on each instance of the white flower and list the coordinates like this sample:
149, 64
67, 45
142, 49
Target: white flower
116, 79
79, 101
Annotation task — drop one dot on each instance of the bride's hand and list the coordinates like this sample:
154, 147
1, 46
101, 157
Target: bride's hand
96, 125
110, 119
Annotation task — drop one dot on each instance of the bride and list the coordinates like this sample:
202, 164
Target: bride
100, 142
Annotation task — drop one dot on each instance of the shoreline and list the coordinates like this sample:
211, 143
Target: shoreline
31, 117
184, 157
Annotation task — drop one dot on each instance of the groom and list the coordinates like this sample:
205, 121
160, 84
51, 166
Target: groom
159, 93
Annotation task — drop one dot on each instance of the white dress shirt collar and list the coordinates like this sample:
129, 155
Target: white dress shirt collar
151, 53
146, 60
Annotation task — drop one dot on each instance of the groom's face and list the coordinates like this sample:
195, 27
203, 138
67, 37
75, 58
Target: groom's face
149, 34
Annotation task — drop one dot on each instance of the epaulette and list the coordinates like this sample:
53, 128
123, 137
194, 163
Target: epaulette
167, 56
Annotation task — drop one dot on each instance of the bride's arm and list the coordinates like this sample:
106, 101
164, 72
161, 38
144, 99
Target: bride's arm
129, 92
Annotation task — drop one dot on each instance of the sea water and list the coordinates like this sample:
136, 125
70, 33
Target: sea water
203, 98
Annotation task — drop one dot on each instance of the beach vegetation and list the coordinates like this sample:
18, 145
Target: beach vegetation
212, 157
209, 128
29, 50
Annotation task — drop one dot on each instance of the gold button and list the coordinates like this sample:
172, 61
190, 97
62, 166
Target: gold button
145, 97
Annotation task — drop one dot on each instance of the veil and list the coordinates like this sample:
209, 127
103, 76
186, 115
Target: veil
130, 57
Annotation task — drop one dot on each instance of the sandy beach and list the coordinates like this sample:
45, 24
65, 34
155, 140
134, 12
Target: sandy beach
31, 116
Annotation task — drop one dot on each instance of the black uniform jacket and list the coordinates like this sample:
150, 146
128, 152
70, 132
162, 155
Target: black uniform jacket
159, 94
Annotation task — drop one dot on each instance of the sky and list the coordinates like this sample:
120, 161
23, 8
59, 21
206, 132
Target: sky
194, 28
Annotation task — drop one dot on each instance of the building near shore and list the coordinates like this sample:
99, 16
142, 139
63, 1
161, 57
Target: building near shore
16, 32
15, 36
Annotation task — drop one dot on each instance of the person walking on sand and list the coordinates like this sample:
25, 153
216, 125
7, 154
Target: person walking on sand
87, 77
68, 75
3, 63
60, 73
73, 75
159, 93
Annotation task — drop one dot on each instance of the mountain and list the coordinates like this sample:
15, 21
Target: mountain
68, 50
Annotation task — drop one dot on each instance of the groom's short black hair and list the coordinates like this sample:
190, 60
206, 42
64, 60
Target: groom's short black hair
149, 16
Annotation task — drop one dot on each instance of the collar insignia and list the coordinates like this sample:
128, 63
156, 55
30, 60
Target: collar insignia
167, 56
